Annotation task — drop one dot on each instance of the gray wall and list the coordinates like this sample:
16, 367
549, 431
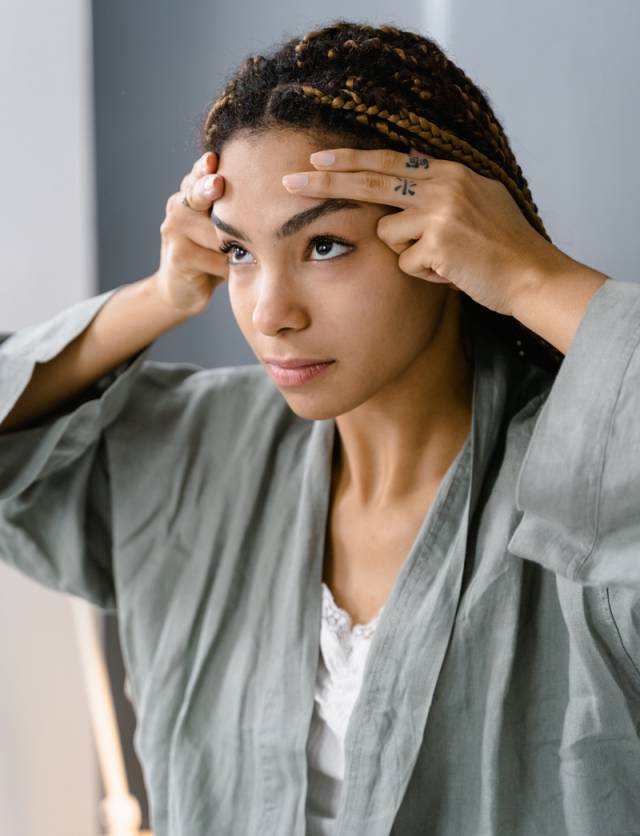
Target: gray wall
563, 79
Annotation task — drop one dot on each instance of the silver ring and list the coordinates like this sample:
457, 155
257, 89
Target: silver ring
184, 200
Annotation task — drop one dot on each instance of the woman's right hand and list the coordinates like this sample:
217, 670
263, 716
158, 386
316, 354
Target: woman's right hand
190, 268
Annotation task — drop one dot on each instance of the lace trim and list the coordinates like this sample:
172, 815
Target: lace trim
339, 620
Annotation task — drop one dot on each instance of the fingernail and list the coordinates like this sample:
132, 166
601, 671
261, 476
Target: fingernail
295, 181
323, 158
204, 163
208, 183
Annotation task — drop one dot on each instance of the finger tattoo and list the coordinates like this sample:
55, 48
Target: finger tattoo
417, 162
405, 186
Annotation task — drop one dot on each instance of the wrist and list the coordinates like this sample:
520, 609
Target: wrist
151, 288
554, 298
551, 268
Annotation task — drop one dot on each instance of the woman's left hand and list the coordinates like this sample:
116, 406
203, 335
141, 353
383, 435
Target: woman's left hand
456, 226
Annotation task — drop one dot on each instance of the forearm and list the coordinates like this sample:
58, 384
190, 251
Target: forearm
130, 320
556, 300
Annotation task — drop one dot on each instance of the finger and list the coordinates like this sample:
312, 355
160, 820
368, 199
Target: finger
194, 225
201, 193
206, 164
413, 163
187, 254
415, 263
368, 186
397, 229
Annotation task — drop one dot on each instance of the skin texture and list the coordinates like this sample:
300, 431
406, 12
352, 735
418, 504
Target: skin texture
456, 225
400, 389
386, 309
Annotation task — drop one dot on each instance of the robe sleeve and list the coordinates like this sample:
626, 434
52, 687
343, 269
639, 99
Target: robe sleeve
55, 506
579, 483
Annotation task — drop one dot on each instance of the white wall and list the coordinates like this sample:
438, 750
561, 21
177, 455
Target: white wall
47, 252
48, 778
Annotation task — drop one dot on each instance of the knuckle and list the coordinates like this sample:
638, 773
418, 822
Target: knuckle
325, 180
173, 202
404, 260
388, 159
165, 229
450, 203
438, 225
382, 225
372, 182
455, 171
179, 251
196, 200
440, 222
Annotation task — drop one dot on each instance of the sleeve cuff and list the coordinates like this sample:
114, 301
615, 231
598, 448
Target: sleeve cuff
62, 435
560, 481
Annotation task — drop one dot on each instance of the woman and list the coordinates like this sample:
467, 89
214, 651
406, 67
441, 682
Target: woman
449, 474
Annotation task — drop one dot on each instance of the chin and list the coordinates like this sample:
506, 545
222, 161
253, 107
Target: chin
310, 410
318, 408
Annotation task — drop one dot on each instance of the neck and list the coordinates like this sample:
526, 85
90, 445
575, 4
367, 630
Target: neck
405, 437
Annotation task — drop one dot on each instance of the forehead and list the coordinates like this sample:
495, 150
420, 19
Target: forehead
253, 166
272, 152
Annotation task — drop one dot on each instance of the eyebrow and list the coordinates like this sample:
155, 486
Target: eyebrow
296, 222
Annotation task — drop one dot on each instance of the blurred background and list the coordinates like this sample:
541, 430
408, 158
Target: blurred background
101, 104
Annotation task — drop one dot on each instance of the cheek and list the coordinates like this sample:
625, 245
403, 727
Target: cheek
394, 317
241, 304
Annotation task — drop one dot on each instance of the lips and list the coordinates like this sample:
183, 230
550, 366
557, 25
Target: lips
296, 363
295, 375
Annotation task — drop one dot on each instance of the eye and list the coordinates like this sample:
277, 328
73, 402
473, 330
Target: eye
228, 247
325, 245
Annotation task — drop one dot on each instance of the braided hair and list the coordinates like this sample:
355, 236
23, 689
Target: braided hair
381, 87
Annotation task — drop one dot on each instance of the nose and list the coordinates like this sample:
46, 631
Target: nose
278, 306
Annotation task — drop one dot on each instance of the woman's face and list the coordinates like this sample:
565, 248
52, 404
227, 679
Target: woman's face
328, 289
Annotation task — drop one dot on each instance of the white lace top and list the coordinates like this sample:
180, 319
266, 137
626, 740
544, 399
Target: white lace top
343, 654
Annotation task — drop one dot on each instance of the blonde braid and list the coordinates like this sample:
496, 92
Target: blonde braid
473, 112
302, 46
431, 135
395, 68
417, 88
481, 116
221, 102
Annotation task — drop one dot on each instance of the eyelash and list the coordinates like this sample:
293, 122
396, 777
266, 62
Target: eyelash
228, 246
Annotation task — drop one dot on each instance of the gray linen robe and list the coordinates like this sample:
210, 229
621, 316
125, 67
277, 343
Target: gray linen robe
501, 695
